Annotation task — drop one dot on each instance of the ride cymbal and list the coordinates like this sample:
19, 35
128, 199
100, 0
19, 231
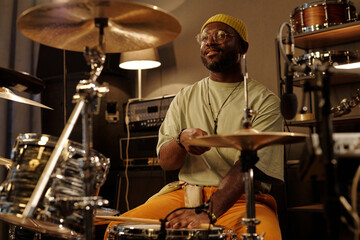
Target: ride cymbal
247, 139
70, 25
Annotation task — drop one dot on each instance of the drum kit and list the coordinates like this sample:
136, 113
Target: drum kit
52, 185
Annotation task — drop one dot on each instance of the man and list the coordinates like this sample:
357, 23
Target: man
214, 105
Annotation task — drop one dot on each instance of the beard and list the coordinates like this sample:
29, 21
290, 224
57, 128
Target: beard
227, 62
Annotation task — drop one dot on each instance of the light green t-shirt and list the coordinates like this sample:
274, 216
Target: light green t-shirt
190, 109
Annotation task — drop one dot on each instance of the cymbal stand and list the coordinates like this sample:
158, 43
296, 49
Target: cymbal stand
248, 160
87, 98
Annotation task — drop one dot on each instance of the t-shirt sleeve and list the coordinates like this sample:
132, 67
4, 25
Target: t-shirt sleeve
171, 125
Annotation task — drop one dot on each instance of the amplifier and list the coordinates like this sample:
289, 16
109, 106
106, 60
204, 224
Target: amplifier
149, 114
141, 150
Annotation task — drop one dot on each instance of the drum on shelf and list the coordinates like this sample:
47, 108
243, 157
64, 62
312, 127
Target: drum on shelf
331, 57
151, 231
59, 210
313, 16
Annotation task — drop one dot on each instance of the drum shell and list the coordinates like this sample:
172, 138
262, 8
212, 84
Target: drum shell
30, 155
313, 16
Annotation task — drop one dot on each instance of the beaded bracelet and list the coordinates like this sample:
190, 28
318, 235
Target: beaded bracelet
178, 138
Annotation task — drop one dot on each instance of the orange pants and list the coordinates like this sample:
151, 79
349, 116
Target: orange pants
265, 210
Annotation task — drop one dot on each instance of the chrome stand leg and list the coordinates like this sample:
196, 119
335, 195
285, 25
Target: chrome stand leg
249, 158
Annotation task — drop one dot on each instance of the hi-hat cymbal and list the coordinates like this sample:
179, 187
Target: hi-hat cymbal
9, 95
70, 25
248, 139
20, 81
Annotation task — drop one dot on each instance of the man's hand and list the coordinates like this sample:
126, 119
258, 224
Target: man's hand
191, 133
187, 218
172, 156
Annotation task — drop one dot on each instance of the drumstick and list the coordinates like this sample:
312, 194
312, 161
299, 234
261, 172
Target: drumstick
145, 220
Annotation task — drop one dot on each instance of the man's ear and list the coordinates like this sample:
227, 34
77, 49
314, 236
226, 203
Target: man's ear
243, 47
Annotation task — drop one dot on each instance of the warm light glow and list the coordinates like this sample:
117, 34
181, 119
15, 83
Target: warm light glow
141, 59
140, 64
348, 66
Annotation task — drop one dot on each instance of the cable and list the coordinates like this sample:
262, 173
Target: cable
354, 202
127, 121
281, 45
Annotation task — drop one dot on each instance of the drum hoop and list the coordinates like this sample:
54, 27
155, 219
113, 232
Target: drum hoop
128, 228
321, 3
34, 138
304, 6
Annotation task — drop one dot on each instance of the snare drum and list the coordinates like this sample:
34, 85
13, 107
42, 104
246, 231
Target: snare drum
30, 155
151, 231
331, 57
313, 16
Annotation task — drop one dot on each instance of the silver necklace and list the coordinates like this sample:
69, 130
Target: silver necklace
212, 113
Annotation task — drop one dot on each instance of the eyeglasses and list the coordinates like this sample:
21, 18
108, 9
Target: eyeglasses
218, 36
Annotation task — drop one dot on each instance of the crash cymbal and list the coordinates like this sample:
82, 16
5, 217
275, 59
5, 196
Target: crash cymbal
9, 95
5, 162
20, 81
70, 25
248, 139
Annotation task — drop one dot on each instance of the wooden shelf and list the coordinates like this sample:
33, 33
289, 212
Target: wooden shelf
317, 207
336, 121
331, 36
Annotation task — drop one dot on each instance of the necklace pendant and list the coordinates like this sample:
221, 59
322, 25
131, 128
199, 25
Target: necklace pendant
215, 127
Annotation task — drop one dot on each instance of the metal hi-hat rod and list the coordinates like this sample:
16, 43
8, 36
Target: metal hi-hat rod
248, 113
248, 160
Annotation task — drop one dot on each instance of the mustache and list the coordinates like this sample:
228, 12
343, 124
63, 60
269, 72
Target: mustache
208, 49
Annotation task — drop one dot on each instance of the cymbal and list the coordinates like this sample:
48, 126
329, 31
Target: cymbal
6, 162
247, 139
9, 95
70, 25
20, 81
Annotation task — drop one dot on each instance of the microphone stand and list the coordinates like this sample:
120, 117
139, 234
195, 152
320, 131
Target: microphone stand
87, 97
325, 131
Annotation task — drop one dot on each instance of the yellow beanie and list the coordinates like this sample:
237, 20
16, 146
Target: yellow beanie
238, 25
